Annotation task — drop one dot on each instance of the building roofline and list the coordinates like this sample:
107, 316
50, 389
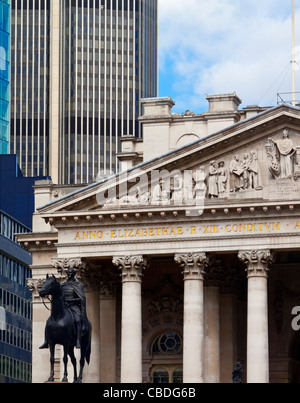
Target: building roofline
172, 152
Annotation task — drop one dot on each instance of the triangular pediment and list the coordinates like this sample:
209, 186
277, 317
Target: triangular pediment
257, 159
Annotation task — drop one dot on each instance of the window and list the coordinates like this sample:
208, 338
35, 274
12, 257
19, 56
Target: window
168, 343
168, 374
167, 347
178, 376
161, 376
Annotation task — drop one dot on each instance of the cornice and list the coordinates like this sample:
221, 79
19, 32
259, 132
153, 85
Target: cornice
150, 214
38, 241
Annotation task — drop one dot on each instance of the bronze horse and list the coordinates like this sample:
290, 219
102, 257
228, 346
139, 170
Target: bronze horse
60, 329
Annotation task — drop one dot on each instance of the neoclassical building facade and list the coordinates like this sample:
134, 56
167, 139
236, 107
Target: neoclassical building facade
190, 261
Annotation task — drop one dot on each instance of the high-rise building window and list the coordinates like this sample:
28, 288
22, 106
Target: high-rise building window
4, 75
29, 131
15, 304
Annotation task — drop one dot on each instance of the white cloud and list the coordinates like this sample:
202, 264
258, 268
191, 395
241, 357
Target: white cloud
213, 46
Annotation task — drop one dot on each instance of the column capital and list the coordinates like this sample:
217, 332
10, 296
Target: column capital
214, 273
108, 285
35, 286
62, 265
131, 266
257, 262
193, 265
91, 277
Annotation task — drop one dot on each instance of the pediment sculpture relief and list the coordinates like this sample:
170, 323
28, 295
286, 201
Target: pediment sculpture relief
283, 157
267, 169
244, 173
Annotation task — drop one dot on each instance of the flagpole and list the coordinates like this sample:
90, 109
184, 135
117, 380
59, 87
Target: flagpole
293, 55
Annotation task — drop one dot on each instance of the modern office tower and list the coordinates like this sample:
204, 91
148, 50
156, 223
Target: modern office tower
79, 71
4, 75
16, 210
15, 304
16, 190
30, 24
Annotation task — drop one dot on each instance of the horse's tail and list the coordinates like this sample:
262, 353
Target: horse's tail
88, 354
89, 347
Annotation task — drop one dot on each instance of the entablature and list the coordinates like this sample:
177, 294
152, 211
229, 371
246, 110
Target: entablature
38, 241
211, 211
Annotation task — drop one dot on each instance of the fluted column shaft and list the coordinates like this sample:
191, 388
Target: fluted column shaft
257, 263
193, 266
108, 331
131, 339
212, 335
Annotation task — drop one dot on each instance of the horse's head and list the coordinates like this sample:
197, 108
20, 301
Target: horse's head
50, 287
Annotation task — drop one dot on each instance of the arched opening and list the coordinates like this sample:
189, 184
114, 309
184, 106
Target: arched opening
167, 343
168, 374
295, 356
166, 351
186, 139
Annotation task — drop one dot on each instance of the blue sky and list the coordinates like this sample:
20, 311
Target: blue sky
220, 46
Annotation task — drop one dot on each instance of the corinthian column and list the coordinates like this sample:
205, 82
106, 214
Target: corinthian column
193, 265
257, 263
131, 345
108, 332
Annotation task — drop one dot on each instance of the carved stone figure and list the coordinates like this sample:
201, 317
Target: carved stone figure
144, 198
200, 187
159, 195
213, 192
222, 179
274, 166
236, 172
287, 152
297, 164
253, 170
132, 199
178, 190
136, 199
246, 174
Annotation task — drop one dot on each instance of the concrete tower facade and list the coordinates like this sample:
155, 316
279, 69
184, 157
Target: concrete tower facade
79, 71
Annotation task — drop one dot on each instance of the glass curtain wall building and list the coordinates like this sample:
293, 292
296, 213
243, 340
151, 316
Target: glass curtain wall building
30, 28
78, 100
4, 75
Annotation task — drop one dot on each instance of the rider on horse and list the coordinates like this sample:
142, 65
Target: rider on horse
75, 301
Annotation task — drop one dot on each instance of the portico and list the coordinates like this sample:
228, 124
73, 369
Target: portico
181, 288
198, 293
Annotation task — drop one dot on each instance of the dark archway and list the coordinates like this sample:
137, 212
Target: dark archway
295, 358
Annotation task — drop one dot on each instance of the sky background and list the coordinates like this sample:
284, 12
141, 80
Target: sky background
221, 46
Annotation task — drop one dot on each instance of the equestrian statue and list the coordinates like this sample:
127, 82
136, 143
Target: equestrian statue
68, 324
